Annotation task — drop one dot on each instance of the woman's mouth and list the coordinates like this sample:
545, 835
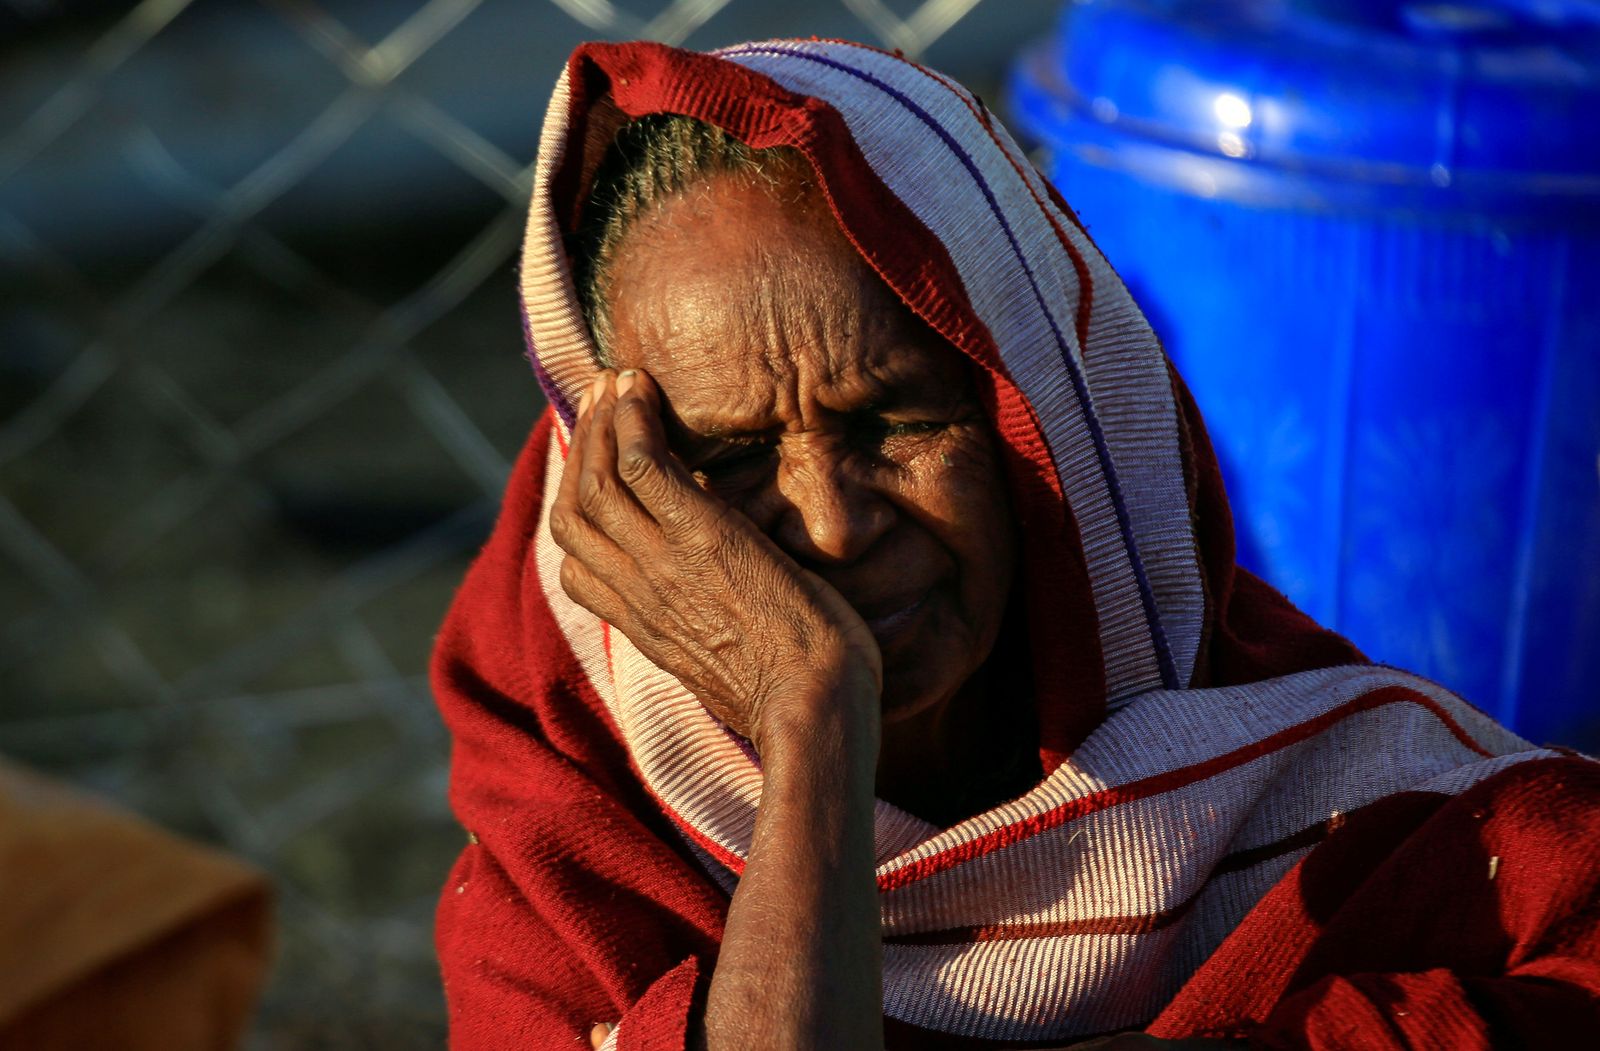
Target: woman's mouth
888, 625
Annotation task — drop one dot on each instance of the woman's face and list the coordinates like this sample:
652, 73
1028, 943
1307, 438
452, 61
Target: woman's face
805, 394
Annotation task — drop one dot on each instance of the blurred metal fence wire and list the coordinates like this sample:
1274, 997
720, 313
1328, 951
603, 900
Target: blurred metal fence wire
259, 390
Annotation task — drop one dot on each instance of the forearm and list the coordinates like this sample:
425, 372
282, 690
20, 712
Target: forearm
800, 965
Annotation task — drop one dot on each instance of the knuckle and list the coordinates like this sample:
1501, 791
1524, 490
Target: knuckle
635, 465
593, 492
563, 526
572, 579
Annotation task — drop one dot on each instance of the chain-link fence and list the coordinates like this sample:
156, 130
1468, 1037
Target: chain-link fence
260, 385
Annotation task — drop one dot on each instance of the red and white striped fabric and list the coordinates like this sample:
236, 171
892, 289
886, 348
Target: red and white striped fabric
1199, 737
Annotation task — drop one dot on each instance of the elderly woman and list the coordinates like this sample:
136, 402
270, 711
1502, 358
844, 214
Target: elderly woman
860, 659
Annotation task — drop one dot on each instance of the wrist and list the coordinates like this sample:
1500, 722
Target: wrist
834, 719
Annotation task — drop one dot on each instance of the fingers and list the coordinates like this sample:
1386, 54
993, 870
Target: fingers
599, 445
644, 461
585, 587
598, 1034
593, 501
570, 525
568, 493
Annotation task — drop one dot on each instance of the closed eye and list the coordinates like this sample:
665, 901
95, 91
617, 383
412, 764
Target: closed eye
895, 430
737, 464
875, 432
745, 464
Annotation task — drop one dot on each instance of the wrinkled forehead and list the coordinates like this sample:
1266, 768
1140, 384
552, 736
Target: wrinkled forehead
764, 257
741, 296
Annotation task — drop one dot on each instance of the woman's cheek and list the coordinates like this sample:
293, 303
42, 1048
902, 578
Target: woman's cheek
959, 463
972, 502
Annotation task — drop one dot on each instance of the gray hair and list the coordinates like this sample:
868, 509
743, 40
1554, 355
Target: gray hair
653, 159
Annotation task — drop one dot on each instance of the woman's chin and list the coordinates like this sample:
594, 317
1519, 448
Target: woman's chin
926, 664
909, 707
918, 680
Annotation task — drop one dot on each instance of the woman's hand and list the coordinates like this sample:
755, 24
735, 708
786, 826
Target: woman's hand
781, 657
692, 582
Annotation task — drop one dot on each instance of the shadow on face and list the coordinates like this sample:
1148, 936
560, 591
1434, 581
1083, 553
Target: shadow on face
806, 394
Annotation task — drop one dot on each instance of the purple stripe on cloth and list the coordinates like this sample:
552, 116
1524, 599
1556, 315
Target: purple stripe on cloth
547, 383
1169, 672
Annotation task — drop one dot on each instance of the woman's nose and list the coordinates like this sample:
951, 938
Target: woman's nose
830, 511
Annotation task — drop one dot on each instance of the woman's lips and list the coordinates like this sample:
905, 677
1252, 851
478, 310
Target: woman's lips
886, 625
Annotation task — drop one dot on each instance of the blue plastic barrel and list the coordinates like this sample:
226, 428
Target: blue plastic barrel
1369, 235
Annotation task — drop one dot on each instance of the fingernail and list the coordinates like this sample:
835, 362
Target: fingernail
583, 401
598, 387
625, 381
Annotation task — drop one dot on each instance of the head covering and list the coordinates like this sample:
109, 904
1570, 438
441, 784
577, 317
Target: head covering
1198, 734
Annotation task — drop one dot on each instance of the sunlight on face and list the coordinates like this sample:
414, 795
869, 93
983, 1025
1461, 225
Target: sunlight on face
803, 392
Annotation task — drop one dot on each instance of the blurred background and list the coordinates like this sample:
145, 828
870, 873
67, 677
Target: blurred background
261, 375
